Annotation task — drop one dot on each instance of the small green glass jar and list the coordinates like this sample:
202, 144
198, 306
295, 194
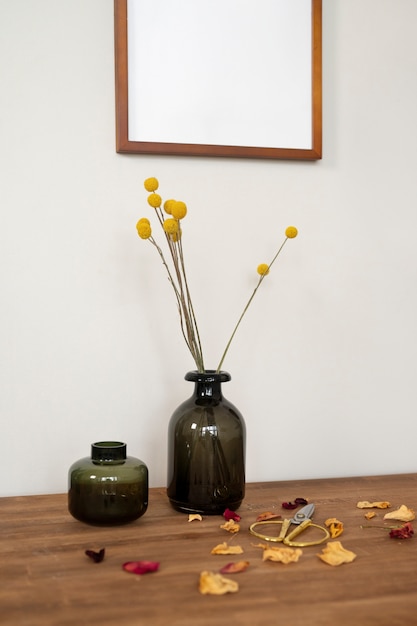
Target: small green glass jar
109, 487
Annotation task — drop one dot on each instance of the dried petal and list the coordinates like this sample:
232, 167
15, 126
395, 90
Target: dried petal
262, 517
335, 527
301, 501
405, 532
235, 568
370, 514
335, 554
223, 548
403, 514
231, 526
216, 584
282, 555
97, 557
293, 505
141, 567
228, 515
373, 505
195, 516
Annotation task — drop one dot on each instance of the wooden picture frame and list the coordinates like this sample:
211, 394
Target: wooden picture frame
141, 84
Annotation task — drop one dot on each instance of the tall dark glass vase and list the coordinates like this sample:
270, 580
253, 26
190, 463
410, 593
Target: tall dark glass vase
206, 449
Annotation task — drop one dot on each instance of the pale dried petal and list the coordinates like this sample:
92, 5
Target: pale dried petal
282, 555
335, 527
373, 505
335, 554
403, 514
370, 514
223, 548
195, 516
215, 584
231, 526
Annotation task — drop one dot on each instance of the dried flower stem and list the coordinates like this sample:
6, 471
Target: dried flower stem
189, 327
261, 278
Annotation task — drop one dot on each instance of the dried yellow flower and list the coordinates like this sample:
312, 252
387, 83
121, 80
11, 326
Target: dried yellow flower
335, 527
335, 554
168, 204
403, 514
178, 210
144, 228
175, 267
373, 505
170, 226
263, 269
231, 526
154, 200
282, 555
291, 232
151, 184
215, 584
223, 548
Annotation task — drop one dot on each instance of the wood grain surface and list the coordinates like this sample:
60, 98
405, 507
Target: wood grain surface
46, 579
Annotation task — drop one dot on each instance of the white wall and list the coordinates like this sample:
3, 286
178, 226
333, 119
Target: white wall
324, 365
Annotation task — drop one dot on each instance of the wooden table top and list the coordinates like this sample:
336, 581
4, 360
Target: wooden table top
46, 579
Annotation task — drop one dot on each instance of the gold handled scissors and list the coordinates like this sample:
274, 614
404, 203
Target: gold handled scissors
301, 519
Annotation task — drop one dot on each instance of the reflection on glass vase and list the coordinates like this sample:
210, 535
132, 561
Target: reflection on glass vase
206, 449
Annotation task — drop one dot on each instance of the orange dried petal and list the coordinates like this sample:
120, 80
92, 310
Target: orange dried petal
403, 514
335, 554
262, 517
231, 526
215, 584
373, 505
223, 548
282, 555
370, 514
335, 527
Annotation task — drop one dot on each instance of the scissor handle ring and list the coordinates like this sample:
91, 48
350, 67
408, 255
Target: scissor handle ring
265, 537
287, 541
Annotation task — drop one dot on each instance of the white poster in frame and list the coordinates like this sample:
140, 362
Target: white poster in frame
225, 78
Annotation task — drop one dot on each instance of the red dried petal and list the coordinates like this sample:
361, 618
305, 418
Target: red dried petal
293, 505
228, 515
141, 567
405, 532
97, 557
235, 568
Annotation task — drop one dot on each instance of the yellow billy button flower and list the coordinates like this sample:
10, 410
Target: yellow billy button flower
176, 236
168, 204
144, 228
154, 199
171, 226
151, 184
179, 210
291, 232
263, 269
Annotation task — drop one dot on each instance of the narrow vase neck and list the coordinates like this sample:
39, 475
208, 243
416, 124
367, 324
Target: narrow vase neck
208, 384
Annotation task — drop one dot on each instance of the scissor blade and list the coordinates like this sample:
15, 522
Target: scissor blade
305, 513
